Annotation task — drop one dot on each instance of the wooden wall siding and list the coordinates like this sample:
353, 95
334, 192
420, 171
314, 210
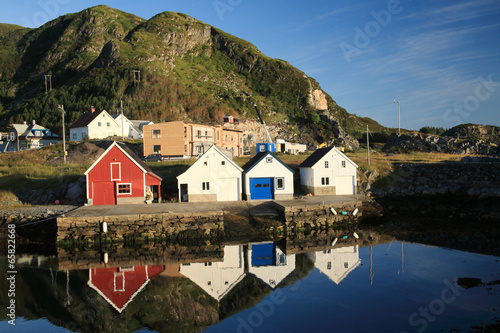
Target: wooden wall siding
171, 138
130, 173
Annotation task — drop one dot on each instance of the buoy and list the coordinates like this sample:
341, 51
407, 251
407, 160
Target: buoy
104, 227
355, 212
57, 202
344, 213
334, 241
355, 235
334, 212
344, 237
105, 257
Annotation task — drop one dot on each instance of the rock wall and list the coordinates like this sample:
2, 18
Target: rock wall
148, 226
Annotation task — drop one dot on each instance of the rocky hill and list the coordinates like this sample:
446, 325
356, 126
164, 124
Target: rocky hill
171, 67
462, 139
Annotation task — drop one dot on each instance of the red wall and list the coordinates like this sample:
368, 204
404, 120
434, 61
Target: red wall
130, 173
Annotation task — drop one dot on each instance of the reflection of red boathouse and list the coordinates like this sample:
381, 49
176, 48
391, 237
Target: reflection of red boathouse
119, 285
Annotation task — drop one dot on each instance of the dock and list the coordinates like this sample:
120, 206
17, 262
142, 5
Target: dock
157, 221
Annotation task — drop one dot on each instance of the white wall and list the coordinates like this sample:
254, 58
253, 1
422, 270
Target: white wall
270, 170
209, 168
272, 275
81, 133
103, 131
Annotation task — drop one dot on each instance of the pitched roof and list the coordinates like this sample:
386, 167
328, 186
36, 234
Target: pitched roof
27, 130
319, 154
258, 157
315, 157
86, 119
124, 148
221, 153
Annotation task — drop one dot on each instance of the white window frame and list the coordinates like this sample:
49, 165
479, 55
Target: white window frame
282, 187
119, 171
327, 165
205, 186
122, 274
118, 188
344, 164
156, 135
325, 181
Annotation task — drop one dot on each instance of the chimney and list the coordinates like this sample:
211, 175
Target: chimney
33, 122
92, 109
24, 122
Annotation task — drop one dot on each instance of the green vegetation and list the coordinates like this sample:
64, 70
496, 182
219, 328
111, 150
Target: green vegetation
432, 130
188, 71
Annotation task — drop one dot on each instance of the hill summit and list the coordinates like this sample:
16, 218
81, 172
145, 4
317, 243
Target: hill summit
171, 67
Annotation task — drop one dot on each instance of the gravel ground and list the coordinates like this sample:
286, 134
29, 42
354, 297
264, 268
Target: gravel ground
35, 212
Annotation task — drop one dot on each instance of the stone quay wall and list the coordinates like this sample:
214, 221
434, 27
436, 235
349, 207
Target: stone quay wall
150, 226
321, 215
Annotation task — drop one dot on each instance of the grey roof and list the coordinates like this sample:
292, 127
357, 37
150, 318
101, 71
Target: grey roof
315, 157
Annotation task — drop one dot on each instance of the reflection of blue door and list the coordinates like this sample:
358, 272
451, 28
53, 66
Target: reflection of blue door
261, 188
263, 254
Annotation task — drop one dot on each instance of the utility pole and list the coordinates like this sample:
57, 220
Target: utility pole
50, 82
121, 108
63, 134
368, 143
399, 117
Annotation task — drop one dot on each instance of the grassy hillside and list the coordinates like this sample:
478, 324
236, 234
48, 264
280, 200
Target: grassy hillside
188, 71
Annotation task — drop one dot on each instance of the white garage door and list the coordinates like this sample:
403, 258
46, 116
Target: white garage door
228, 189
345, 185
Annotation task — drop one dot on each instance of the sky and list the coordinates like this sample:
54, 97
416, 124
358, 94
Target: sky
439, 59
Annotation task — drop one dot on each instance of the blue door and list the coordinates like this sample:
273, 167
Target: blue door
261, 188
263, 254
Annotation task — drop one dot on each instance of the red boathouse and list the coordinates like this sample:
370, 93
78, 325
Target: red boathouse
119, 176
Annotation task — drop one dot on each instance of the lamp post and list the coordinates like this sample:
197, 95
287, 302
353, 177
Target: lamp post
63, 134
399, 117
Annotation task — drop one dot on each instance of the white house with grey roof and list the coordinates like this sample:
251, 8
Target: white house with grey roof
28, 136
213, 177
328, 172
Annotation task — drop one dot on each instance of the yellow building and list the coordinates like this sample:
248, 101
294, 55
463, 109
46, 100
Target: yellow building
180, 139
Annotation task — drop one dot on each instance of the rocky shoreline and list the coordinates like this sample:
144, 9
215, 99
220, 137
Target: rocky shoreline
27, 214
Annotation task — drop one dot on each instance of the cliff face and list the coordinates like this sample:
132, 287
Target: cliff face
171, 67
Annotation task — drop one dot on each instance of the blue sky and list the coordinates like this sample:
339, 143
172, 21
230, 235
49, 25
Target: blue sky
440, 59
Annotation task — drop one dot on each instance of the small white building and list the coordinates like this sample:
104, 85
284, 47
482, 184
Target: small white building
268, 263
218, 278
328, 172
290, 147
213, 177
336, 263
94, 125
266, 177
131, 128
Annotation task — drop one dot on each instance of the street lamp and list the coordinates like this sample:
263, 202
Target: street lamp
63, 134
399, 117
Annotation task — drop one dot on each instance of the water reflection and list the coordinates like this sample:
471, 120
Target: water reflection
336, 263
225, 287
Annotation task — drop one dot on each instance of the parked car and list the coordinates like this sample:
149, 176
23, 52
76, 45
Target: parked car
153, 158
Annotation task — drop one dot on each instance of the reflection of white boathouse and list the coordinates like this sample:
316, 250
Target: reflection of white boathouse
218, 278
268, 263
336, 263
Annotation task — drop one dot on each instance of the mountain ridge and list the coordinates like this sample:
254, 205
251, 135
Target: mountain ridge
189, 70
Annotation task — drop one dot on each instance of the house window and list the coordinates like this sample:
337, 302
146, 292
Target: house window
199, 134
99, 124
280, 183
108, 124
329, 265
346, 265
157, 149
205, 186
124, 188
269, 160
119, 281
326, 165
156, 134
325, 180
116, 171
223, 163
206, 134
205, 163
343, 164
74, 136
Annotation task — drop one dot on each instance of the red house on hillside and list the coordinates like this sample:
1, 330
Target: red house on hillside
119, 285
119, 176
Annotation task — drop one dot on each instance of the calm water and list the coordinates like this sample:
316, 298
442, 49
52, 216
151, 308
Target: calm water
259, 287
